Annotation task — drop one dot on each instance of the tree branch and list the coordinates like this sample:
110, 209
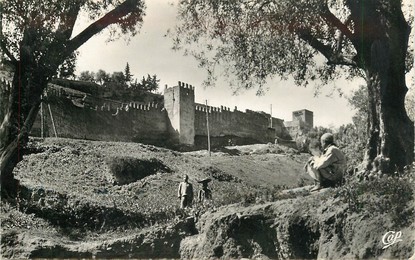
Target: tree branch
68, 20
112, 17
330, 18
326, 50
339, 44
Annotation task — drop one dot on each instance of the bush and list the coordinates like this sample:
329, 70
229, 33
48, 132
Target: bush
382, 194
84, 86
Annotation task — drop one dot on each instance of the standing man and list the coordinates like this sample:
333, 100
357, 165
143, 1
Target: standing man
327, 169
205, 193
185, 193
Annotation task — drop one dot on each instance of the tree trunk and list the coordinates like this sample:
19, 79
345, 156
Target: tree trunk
11, 151
381, 40
20, 114
390, 145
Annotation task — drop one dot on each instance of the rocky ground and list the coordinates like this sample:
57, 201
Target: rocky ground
86, 199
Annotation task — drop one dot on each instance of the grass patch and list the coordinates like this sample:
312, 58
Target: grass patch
390, 195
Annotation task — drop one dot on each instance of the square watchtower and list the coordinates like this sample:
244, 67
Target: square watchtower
179, 102
305, 117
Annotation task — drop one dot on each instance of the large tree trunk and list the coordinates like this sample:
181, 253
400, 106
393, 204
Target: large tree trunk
390, 145
11, 149
20, 113
391, 133
381, 40
14, 130
29, 80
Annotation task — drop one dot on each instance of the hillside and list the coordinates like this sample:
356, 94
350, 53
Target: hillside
85, 199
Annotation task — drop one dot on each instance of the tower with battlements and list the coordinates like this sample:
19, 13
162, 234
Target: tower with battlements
304, 117
179, 102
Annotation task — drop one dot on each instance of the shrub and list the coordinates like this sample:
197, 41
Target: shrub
382, 194
219, 175
84, 86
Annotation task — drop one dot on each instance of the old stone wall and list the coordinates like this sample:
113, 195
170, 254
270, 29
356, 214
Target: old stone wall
128, 122
226, 122
177, 120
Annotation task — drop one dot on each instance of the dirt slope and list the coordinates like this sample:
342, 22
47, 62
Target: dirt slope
318, 226
70, 194
81, 169
84, 199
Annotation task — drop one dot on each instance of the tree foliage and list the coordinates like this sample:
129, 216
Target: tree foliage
359, 101
101, 77
121, 80
149, 83
67, 69
118, 78
87, 76
254, 41
352, 142
48, 25
127, 74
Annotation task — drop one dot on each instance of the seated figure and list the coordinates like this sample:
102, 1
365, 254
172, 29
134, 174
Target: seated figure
328, 167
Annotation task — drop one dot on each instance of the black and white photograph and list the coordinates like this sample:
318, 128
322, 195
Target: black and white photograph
207, 129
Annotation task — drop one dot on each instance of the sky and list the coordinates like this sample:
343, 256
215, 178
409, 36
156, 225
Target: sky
150, 52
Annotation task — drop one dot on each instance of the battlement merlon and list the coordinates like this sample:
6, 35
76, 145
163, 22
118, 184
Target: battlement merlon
183, 88
185, 85
211, 109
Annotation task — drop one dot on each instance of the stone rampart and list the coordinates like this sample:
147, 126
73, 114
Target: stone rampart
177, 120
226, 122
107, 121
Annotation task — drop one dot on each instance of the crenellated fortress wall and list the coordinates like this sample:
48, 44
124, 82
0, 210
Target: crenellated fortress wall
177, 120
84, 117
226, 122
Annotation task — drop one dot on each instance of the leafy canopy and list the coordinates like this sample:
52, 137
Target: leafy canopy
254, 40
44, 28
